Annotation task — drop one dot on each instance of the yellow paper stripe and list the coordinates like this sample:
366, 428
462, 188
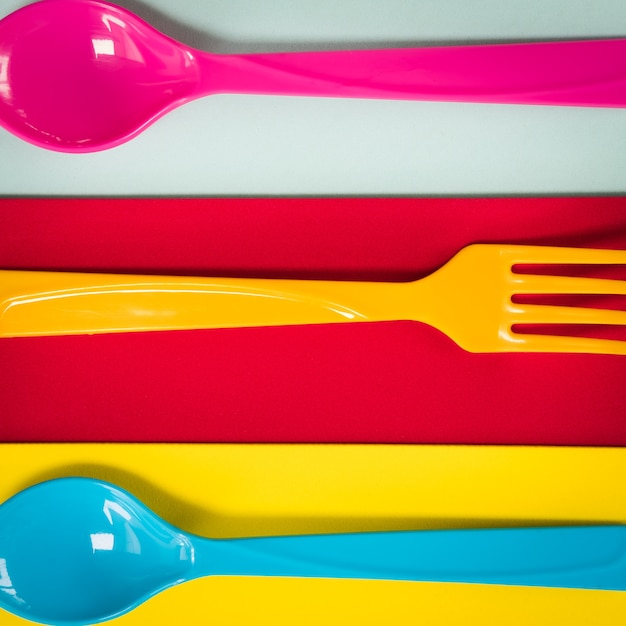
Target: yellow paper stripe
227, 490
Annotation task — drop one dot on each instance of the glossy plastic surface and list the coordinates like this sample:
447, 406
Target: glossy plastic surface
81, 76
480, 282
221, 491
75, 552
99, 552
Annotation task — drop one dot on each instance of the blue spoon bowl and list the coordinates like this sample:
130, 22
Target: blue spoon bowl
81, 551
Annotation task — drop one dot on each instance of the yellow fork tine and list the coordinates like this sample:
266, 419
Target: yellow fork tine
545, 255
556, 343
533, 284
547, 314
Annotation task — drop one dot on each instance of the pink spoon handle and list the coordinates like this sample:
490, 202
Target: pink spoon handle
575, 73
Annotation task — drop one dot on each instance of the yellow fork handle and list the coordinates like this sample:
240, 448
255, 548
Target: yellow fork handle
62, 303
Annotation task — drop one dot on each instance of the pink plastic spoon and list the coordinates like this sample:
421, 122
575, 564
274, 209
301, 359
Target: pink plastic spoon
85, 75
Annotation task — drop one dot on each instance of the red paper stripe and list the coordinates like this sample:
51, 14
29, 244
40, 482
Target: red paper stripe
394, 382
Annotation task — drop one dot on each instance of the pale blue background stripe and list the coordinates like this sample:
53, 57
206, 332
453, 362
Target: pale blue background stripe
238, 145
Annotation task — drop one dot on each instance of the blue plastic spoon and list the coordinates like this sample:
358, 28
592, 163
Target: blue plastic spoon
81, 551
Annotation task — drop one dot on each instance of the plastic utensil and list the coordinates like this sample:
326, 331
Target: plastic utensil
85, 75
470, 298
98, 552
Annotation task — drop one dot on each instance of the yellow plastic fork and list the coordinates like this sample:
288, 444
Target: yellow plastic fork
470, 299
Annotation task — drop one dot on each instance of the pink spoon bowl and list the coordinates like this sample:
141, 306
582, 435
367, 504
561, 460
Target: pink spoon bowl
86, 75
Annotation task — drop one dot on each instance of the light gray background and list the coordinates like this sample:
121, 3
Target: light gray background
241, 145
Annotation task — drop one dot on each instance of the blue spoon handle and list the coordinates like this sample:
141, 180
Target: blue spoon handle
590, 557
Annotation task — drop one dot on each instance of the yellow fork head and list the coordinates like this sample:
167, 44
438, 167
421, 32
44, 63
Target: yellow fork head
473, 299
555, 316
